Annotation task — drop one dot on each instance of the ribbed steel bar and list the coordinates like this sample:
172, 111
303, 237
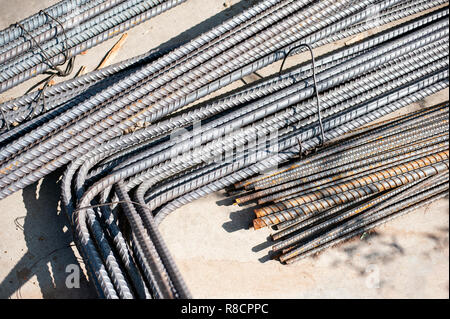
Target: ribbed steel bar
315, 163
192, 198
290, 226
366, 135
136, 19
193, 142
144, 178
33, 104
191, 176
352, 161
35, 21
187, 49
138, 171
338, 193
114, 15
356, 222
45, 33
211, 150
257, 164
149, 249
378, 203
297, 229
208, 108
346, 173
389, 142
421, 202
26, 70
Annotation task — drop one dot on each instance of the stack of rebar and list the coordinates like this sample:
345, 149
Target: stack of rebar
128, 166
355, 18
47, 40
350, 187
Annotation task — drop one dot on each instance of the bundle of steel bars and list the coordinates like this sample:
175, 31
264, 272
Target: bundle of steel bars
128, 166
354, 18
47, 40
350, 187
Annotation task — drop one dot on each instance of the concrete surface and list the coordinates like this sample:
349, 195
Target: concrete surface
216, 252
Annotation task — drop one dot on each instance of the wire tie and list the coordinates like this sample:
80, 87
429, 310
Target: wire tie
54, 70
313, 62
4, 118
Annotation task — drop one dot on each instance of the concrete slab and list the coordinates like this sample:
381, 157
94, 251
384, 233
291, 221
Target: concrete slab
217, 254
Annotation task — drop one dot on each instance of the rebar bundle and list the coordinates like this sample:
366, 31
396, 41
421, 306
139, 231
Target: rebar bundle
136, 148
385, 172
52, 37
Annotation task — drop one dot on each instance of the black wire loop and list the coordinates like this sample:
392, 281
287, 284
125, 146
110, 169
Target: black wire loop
54, 70
313, 62
300, 148
4, 118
